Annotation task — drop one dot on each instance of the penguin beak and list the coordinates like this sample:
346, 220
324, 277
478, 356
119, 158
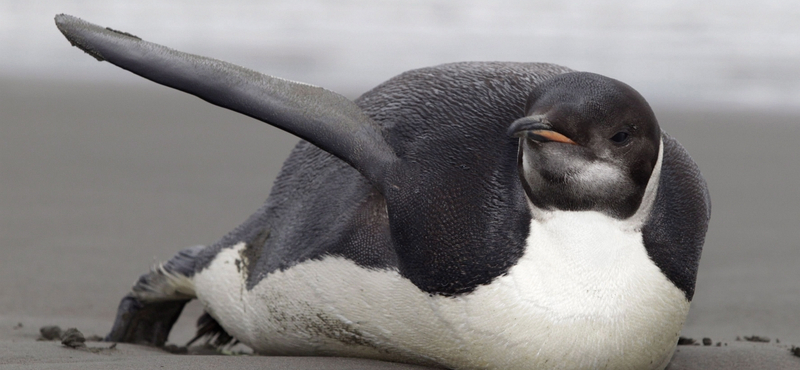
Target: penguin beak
536, 129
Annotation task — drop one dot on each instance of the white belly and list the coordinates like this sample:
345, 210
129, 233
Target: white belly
584, 295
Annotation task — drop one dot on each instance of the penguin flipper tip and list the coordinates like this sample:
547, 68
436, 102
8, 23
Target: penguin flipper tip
326, 119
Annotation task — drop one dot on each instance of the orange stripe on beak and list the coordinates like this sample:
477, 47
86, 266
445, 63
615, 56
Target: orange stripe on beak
553, 136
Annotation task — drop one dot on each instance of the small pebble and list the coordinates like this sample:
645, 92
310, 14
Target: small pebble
795, 351
684, 341
707, 341
18, 326
50, 332
73, 338
756, 338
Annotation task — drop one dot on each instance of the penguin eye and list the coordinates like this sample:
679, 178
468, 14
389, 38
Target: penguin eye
620, 137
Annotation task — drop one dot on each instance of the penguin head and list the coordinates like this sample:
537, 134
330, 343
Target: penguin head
587, 142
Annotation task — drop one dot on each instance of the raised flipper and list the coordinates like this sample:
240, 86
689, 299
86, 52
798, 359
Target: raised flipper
147, 313
326, 119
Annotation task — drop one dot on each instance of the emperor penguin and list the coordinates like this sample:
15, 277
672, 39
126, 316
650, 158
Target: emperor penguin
479, 215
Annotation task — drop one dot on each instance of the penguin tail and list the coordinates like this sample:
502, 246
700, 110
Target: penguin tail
146, 314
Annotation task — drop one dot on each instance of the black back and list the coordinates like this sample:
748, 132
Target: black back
458, 216
457, 210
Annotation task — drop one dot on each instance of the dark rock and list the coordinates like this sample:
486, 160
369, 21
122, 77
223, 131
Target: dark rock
683, 341
756, 338
707, 341
50, 332
73, 338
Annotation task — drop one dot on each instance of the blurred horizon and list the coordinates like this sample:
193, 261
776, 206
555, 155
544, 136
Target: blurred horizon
715, 53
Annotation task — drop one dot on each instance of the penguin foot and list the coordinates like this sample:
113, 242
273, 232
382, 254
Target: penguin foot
147, 313
144, 323
212, 331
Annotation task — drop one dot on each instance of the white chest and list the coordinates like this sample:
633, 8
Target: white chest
584, 295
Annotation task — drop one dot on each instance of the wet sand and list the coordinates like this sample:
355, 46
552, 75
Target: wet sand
98, 182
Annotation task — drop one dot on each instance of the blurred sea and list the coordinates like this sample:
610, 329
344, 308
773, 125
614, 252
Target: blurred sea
697, 53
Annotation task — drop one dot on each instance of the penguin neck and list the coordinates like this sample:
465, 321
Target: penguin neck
634, 222
593, 258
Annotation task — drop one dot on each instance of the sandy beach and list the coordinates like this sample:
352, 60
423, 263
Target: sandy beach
98, 182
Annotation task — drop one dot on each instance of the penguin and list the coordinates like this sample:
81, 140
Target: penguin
475, 215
